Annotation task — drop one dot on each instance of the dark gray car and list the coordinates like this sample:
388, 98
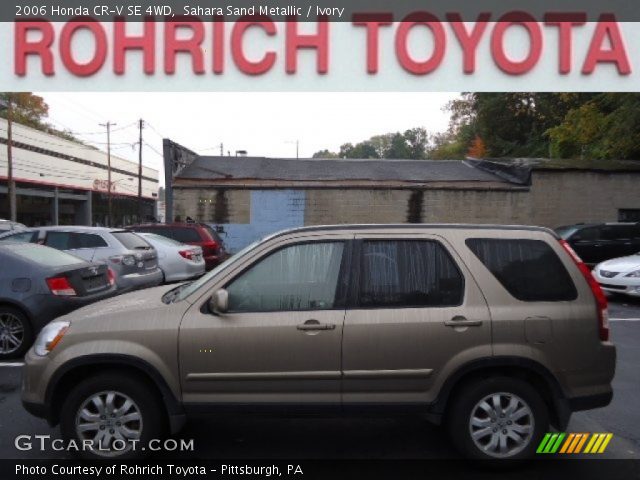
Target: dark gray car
38, 284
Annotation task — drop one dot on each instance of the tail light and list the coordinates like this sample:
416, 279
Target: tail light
188, 254
111, 276
210, 248
60, 286
598, 294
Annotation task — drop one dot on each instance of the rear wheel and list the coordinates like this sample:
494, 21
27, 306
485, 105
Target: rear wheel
498, 418
16, 334
116, 415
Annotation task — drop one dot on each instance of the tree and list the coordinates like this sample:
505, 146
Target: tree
477, 149
325, 154
31, 110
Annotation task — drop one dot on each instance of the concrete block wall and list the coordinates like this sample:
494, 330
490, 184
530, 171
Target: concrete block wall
554, 199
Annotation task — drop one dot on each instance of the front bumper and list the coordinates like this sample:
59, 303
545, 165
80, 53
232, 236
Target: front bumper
619, 284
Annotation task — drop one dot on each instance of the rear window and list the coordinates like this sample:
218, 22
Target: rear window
74, 240
185, 234
528, 269
47, 257
179, 234
160, 239
131, 241
23, 237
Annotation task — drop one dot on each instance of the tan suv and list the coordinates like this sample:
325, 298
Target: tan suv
496, 331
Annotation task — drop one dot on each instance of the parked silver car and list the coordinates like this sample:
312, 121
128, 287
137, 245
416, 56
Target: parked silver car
133, 260
177, 261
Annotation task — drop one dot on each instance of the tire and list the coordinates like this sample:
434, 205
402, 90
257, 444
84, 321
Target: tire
16, 333
526, 419
150, 422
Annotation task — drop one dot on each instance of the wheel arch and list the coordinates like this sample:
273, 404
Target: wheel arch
526, 369
83, 367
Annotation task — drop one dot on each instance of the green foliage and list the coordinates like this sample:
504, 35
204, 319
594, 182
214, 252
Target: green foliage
31, 110
412, 144
561, 125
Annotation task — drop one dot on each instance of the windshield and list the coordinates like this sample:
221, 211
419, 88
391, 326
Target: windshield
186, 289
131, 241
152, 237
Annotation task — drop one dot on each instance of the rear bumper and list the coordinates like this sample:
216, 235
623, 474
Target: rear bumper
45, 308
134, 281
590, 402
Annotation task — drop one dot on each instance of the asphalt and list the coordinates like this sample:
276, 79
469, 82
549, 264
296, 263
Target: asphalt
356, 438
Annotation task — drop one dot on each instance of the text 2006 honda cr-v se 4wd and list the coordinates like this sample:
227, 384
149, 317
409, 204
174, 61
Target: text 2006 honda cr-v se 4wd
497, 332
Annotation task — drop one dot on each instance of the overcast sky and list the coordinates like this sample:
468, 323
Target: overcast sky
264, 124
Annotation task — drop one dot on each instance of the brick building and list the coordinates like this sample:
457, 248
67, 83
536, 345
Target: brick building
253, 196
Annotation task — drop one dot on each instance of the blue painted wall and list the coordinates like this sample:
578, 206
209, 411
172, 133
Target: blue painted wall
271, 211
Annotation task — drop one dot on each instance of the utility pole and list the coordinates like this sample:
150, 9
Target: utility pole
221, 149
110, 207
141, 125
13, 213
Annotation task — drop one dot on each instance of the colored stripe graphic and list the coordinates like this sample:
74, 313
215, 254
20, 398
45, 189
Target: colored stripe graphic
573, 443
543, 443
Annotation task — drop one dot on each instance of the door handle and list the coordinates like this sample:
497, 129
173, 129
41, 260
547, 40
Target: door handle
314, 325
460, 321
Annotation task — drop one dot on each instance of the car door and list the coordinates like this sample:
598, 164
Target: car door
280, 340
415, 311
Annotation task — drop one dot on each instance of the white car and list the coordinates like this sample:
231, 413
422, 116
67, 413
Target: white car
177, 261
620, 275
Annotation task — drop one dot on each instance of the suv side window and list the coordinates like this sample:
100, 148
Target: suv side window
408, 273
295, 278
618, 232
528, 269
589, 234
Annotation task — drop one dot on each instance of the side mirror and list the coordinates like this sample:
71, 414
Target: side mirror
219, 302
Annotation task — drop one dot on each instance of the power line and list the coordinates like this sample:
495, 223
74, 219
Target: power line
154, 150
155, 130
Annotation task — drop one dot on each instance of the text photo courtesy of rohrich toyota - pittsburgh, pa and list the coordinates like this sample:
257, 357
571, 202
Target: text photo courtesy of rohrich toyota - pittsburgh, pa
320, 241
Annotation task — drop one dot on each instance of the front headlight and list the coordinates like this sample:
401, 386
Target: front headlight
635, 274
49, 337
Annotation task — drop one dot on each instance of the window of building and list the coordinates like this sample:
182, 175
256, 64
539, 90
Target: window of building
528, 269
298, 277
408, 273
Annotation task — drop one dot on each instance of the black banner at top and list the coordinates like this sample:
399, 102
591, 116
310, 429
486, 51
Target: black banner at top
313, 10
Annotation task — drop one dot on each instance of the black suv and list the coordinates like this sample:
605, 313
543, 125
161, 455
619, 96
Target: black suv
597, 242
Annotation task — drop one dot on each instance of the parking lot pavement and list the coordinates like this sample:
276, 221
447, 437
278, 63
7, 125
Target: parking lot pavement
401, 438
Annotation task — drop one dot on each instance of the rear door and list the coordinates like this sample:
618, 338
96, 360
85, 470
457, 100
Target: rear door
415, 312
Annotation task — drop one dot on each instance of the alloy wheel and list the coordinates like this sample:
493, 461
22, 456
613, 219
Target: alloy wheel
11, 333
111, 420
501, 424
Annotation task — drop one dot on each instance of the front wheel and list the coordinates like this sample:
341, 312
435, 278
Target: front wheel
112, 416
498, 418
16, 335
